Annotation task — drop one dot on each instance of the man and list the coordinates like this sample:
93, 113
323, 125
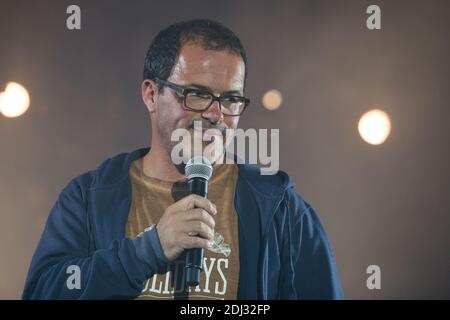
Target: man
122, 230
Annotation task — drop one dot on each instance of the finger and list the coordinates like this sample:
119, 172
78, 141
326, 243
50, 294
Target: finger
195, 201
199, 215
195, 242
198, 228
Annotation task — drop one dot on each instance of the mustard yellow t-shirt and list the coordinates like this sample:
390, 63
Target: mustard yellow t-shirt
220, 275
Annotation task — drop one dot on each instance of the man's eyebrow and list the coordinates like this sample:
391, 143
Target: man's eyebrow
206, 88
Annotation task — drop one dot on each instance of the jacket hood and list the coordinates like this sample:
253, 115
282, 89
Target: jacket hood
116, 169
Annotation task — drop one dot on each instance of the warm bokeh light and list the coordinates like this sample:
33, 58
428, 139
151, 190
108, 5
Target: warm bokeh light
374, 126
14, 101
272, 99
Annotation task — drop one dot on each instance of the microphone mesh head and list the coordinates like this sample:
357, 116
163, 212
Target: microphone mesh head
198, 167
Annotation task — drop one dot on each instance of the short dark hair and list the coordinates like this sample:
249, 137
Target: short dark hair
166, 46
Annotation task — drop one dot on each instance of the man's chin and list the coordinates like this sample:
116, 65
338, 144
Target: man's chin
208, 150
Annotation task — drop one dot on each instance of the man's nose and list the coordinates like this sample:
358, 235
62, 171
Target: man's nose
214, 113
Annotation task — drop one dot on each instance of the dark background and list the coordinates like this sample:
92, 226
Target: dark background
385, 205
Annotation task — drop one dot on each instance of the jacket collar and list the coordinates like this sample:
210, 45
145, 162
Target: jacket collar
116, 169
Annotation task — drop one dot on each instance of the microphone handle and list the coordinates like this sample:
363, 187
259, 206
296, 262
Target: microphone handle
194, 257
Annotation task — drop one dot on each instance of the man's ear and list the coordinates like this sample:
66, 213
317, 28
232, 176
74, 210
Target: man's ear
149, 92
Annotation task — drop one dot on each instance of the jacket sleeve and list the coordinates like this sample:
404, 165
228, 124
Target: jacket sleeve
64, 256
315, 274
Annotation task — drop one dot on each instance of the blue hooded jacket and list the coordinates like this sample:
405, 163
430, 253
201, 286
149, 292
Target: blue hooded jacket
283, 249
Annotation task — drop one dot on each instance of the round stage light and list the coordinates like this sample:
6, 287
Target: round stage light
374, 126
272, 99
14, 101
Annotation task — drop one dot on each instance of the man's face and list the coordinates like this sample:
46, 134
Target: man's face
217, 71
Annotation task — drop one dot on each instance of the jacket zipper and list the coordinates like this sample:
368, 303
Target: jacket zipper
264, 241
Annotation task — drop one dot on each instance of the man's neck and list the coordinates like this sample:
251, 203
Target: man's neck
157, 165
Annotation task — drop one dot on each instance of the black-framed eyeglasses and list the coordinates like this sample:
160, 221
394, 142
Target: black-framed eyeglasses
198, 100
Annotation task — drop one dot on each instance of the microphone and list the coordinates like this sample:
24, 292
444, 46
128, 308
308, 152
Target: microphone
198, 170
